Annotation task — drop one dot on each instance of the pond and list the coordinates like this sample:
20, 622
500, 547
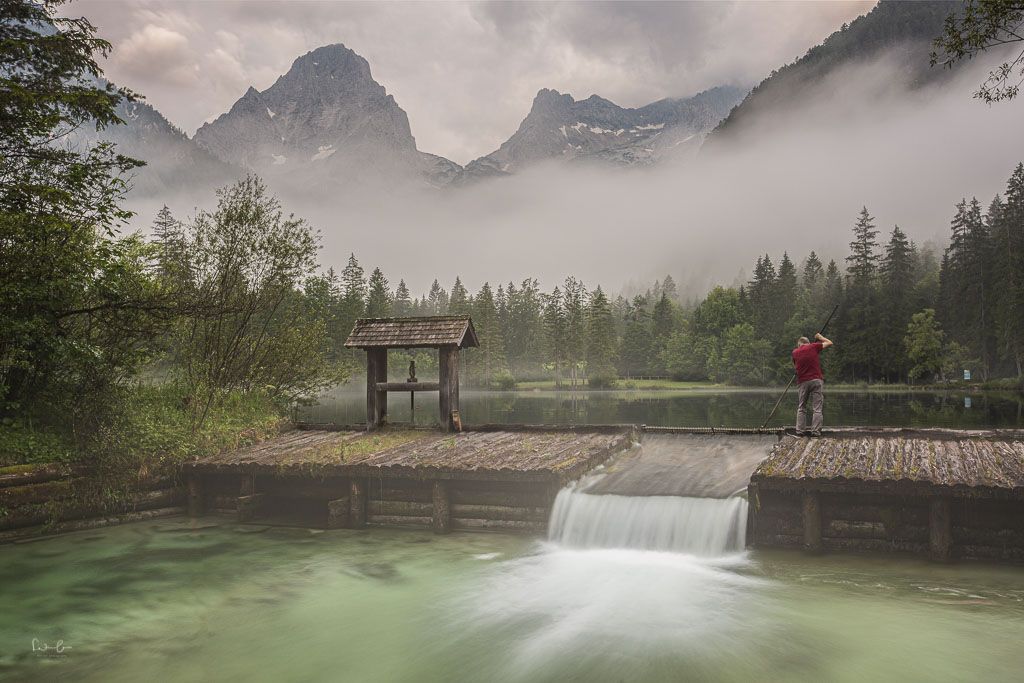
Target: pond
691, 408
180, 601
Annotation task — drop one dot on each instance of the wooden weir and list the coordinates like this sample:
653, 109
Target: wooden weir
488, 479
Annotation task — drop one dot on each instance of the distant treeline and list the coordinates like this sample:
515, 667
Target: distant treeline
905, 313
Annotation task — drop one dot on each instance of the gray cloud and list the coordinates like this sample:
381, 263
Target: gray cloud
465, 72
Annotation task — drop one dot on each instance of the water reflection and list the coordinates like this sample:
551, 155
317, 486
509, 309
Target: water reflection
703, 408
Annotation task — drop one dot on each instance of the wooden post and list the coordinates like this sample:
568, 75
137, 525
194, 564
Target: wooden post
248, 485
442, 518
338, 513
357, 504
448, 378
812, 522
195, 495
247, 506
376, 401
940, 530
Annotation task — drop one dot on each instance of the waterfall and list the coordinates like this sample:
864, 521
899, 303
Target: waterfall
707, 527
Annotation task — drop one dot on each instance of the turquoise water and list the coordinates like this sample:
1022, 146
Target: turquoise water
185, 601
692, 408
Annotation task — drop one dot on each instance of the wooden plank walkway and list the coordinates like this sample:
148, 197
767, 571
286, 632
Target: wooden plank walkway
516, 455
985, 463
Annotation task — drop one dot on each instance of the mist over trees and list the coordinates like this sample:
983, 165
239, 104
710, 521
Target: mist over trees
904, 313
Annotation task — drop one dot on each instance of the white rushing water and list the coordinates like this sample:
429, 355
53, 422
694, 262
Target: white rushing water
706, 527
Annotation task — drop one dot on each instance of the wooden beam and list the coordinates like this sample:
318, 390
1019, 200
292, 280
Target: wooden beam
441, 520
338, 512
812, 522
448, 377
376, 400
195, 495
940, 530
357, 504
408, 386
247, 506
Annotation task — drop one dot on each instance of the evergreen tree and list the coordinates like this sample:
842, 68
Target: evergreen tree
378, 298
489, 358
170, 240
402, 306
458, 303
637, 340
897, 282
1008, 271
863, 257
434, 299
555, 331
600, 341
663, 324
860, 325
575, 325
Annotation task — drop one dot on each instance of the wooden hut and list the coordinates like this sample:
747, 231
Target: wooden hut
448, 334
942, 493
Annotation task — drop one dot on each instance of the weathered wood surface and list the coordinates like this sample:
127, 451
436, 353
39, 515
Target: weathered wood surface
407, 333
982, 462
424, 454
408, 386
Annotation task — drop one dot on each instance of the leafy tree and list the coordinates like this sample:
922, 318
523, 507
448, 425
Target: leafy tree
923, 342
985, 24
79, 311
685, 356
720, 310
252, 330
742, 357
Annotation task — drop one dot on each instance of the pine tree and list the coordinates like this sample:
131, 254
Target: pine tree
897, 282
663, 325
433, 300
378, 298
637, 340
402, 307
600, 341
555, 332
1008, 271
863, 257
669, 289
459, 303
575, 325
490, 356
170, 239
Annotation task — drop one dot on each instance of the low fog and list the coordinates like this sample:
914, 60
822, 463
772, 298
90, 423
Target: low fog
794, 182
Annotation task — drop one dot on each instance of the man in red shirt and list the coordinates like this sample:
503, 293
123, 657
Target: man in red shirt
810, 383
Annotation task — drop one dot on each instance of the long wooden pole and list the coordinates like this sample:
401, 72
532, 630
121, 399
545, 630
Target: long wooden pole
793, 378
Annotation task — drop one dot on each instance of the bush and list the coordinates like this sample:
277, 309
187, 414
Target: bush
504, 381
602, 382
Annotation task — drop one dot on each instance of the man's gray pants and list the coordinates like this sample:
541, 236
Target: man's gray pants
809, 394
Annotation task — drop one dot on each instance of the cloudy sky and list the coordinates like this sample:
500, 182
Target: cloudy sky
464, 72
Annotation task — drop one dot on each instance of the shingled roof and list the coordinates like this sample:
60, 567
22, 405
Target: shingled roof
407, 333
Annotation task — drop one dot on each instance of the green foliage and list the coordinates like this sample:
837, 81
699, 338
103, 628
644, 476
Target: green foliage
742, 358
600, 342
923, 343
981, 25
248, 326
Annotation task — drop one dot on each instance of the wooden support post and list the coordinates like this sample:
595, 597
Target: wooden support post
247, 506
940, 530
812, 522
448, 379
376, 400
248, 484
442, 517
357, 504
338, 513
195, 495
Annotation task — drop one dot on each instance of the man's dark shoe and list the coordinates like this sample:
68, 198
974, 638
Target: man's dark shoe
802, 433
813, 434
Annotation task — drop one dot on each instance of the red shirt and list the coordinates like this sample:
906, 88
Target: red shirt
805, 358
